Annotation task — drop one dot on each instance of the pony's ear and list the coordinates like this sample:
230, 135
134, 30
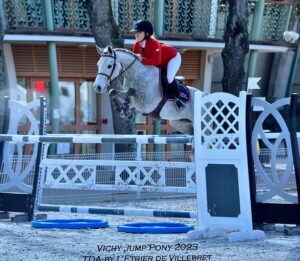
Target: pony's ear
99, 50
110, 49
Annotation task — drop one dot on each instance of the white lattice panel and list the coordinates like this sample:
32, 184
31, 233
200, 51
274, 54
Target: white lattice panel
219, 123
221, 154
147, 176
80, 175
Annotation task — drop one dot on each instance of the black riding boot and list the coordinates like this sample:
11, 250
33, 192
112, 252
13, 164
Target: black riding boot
176, 89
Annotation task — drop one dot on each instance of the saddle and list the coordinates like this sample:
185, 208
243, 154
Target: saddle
170, 94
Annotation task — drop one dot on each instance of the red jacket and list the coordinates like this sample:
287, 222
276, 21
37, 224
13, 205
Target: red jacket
155, 53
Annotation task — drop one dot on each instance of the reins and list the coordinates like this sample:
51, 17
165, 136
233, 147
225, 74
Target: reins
109, 77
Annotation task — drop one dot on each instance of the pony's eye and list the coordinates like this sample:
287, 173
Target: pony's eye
109, 66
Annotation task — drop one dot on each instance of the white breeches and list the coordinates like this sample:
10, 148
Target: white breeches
173, 67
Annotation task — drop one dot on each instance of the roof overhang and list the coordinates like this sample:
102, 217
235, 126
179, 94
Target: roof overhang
86, 40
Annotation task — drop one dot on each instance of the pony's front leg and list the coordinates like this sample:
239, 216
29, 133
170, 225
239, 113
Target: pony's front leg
129, 93
126, 109
115, 101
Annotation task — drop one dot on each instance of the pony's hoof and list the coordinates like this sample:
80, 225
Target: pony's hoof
131, 92
129, 116
118, 109
112, 93
122, 115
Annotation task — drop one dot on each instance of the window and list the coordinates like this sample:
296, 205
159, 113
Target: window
67, 102
88, 103
21, 90
66, 99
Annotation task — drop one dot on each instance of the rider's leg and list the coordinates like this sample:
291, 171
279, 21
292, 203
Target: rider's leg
179, 103
172, 69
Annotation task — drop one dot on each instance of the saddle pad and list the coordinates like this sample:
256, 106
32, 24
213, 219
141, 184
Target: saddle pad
168, 94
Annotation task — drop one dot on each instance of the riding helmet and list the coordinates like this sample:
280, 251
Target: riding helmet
143, 26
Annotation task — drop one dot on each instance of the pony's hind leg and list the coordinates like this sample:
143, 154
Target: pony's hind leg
183, 126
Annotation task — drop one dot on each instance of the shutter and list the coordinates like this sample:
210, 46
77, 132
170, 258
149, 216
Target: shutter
32, 60
77, 62
90, 62
190, 65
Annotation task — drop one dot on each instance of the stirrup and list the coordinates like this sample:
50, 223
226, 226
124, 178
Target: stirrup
179, 105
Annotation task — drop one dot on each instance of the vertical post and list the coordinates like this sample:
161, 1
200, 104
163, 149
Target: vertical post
287, 22
53, 69
213, 18
293, 70
138, 158
295, 57
2, 16
251, 169
292, 124
40, 145
159, 18
11, 77
159, 31
156, 131
5, 123
258, 15
207, 59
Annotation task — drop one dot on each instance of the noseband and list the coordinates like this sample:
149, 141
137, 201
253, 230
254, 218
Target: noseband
113, 56
113, 68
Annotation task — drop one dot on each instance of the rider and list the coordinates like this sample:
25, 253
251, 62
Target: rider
153, 52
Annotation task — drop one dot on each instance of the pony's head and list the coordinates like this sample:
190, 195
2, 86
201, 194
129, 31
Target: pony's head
109, 68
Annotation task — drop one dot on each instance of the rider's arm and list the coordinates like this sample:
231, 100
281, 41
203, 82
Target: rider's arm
152, 55
137, 48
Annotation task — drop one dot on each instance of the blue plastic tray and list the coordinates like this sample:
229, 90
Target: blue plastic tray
69, 223
155, 228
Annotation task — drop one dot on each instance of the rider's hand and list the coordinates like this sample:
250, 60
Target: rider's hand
139, 56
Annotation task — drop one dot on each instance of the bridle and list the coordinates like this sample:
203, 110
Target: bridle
113, 56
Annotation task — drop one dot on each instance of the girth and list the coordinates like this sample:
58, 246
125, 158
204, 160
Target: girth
155, 113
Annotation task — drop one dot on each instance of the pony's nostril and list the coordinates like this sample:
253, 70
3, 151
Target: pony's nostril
99, 88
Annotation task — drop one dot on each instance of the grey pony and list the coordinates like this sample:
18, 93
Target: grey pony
140, 87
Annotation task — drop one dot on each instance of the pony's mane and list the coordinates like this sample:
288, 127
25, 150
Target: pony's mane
126, 51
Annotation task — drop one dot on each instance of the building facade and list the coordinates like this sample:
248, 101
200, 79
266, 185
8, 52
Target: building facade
51, 39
